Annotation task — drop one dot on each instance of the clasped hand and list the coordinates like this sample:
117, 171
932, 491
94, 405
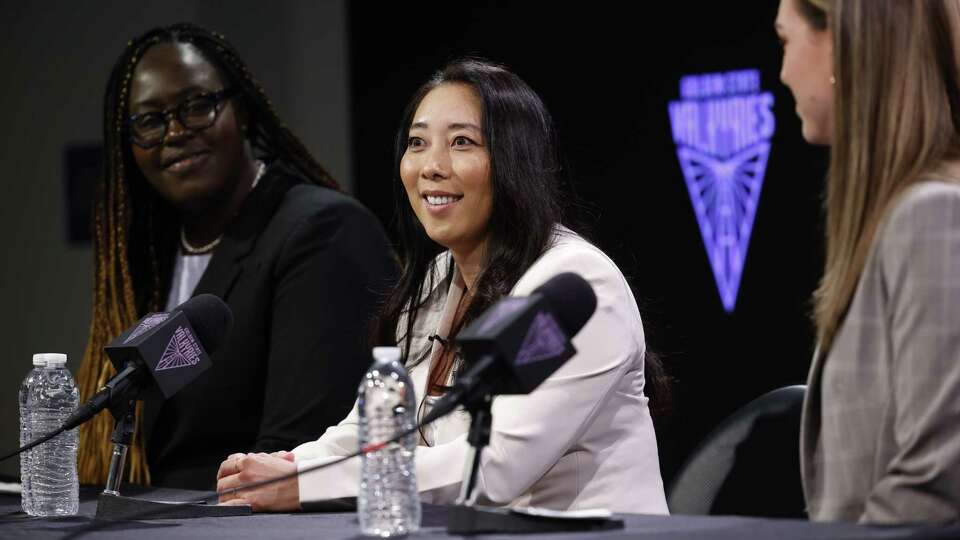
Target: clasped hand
238, 469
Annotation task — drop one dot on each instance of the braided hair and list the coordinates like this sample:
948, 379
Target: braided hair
132, 255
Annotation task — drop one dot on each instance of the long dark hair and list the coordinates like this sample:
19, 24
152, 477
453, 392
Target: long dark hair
524, 171
135, 231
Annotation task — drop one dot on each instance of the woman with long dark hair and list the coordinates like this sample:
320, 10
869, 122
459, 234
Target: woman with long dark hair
480, 219
205, 190
876, 80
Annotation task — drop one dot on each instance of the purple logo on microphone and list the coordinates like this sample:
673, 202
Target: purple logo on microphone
722, 128
544, 340
146, 324
182, 351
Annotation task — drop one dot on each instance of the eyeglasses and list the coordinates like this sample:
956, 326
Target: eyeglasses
195, 114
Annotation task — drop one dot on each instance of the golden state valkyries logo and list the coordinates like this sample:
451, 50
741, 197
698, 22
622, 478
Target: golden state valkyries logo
722, 127
182, 351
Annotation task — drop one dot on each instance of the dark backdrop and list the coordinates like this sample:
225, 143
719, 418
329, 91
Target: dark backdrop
607, 73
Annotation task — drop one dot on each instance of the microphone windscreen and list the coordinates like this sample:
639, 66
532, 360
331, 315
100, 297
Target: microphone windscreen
571, 298
210, 318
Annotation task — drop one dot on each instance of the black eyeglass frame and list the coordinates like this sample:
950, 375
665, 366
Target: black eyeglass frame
218, 98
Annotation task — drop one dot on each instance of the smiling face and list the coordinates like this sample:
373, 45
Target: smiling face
190, 169
446, 168
807, 70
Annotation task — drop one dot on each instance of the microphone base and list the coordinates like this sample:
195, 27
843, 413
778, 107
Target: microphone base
120, 508
471, 520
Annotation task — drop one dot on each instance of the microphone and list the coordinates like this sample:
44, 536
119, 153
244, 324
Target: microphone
520, 341
167, 350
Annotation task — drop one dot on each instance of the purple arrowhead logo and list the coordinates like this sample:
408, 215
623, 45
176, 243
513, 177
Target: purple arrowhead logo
182, 351
146, 324
722, 129
544, 340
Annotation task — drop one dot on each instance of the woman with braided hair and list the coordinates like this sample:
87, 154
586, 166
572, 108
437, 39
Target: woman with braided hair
205, 190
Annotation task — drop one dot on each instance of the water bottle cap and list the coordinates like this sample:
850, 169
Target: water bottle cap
49, 359
386, 354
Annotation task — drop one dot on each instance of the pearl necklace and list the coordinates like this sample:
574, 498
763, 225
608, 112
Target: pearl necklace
207, 248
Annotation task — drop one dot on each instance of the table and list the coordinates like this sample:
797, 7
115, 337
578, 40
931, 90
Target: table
342, 526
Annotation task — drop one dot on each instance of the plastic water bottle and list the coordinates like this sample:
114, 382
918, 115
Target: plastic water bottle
388, 503
27, 395
53, 465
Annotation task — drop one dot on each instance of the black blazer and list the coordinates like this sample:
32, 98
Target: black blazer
303, 268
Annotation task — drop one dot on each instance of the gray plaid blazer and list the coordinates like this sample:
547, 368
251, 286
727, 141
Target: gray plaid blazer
880, 436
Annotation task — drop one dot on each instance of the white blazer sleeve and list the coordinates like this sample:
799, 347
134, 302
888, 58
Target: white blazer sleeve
531, 433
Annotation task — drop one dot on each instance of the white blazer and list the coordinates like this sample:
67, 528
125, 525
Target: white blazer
583, 439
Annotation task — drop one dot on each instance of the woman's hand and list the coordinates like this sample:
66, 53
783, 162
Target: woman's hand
237, 469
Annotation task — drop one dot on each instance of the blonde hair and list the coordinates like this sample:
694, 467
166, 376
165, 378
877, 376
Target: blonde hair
895, 119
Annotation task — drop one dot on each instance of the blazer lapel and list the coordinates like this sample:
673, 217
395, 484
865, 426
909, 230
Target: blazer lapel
226, 265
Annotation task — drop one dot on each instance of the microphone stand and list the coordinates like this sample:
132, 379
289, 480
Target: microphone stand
479, 438
113, 506
121, 438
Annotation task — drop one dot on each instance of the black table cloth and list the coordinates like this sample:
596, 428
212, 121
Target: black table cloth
343, 525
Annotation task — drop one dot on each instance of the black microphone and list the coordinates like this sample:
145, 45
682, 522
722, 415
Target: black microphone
520, 341
167, 350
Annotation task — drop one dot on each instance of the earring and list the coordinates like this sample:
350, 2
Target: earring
833, 80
